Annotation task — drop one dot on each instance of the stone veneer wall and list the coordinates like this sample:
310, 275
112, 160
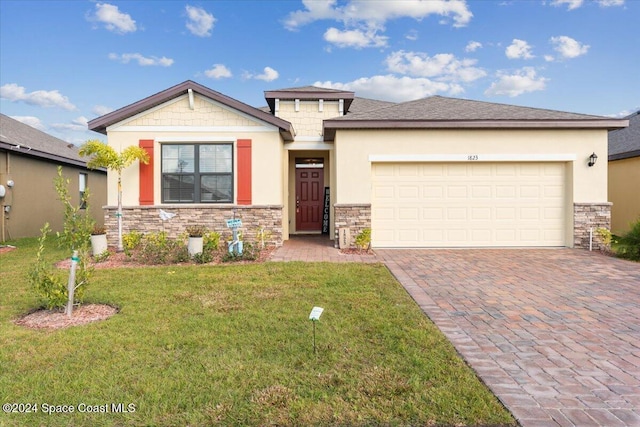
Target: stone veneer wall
147, 219
587, 216
355, 217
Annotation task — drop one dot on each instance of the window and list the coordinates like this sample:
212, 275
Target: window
82, 186
197, 173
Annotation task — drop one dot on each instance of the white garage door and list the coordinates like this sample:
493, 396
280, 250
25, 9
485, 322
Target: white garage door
468, 204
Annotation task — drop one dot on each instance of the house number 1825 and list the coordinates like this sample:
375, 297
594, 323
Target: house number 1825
472, 157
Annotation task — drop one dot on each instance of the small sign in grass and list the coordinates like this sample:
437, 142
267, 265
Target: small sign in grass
229, 345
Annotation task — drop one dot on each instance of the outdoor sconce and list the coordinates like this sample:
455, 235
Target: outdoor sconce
592, 159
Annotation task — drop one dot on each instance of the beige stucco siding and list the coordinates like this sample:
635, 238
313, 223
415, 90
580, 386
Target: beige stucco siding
208, 122
585, 184
624, 181
266, 156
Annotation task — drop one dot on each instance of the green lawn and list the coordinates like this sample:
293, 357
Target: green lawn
232, 345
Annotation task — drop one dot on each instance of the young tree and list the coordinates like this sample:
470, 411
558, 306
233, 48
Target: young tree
104, 156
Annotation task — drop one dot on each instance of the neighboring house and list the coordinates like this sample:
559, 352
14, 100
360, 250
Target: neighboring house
624, 174
29, 160
436, 172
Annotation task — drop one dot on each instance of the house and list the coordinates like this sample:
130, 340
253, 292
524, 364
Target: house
29, 160
624, 174
436, 172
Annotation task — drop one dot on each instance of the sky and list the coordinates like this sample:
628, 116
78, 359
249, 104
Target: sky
63, 63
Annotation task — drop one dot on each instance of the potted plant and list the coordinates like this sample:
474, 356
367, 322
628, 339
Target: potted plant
98, 240
195, 243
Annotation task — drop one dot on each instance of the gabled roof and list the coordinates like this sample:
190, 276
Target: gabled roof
625, 143
308, 93
361, 105
28, 141
438, 112
100, 124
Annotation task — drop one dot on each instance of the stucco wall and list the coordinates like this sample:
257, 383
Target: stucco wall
353, 147
624, 180
33, 199
207, 122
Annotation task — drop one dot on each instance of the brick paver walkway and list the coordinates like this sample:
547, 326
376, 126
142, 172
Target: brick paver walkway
554, 333
314, 248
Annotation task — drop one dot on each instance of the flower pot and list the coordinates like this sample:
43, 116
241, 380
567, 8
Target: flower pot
98, 244
194, 245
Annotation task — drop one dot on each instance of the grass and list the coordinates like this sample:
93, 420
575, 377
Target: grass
232, 345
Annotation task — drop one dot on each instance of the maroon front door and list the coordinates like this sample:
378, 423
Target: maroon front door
309, 199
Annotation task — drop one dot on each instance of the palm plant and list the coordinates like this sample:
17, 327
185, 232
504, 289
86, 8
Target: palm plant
105, 156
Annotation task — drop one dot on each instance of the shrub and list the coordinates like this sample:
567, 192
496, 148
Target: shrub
249, 253
50, 284
203, 257
262, 235
628, 245
78, 224
131, 242
211, 241
363, 239
154, 248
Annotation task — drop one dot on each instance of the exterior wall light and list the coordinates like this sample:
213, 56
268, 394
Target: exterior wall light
592, 159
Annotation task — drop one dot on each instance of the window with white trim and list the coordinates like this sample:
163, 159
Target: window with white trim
197, 173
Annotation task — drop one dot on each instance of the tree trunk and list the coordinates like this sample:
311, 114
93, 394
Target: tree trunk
119, 214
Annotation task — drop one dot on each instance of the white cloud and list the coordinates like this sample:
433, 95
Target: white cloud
200, 22
412, 35
522, 81
568, 47
518, 49
101, 110
34, 122
362, 19
472, 46
443, 66
41, 98
393, 88
355, 38
571, 4
549, 58
609, 3
574, 4
113, 19
219, 71
143, 61
268, 75
78, 124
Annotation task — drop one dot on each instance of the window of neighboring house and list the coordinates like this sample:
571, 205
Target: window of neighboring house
82, 186
197, 173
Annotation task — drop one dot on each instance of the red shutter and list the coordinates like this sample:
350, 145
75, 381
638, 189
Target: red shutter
244, 171
146, 174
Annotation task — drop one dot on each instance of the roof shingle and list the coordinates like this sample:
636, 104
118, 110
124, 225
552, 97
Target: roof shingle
26, 140
625, 143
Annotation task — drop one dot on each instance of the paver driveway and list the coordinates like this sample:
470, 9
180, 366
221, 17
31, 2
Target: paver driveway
554, 333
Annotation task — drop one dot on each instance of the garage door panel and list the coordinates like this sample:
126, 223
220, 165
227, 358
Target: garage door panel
462, 205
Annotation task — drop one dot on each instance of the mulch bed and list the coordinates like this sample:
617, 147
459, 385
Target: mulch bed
56, 319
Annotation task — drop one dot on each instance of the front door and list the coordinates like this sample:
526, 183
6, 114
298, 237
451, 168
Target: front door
309, 199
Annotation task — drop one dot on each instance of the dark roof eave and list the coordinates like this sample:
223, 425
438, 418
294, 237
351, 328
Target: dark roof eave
101, 123
330, 126
272, 95
626, 155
